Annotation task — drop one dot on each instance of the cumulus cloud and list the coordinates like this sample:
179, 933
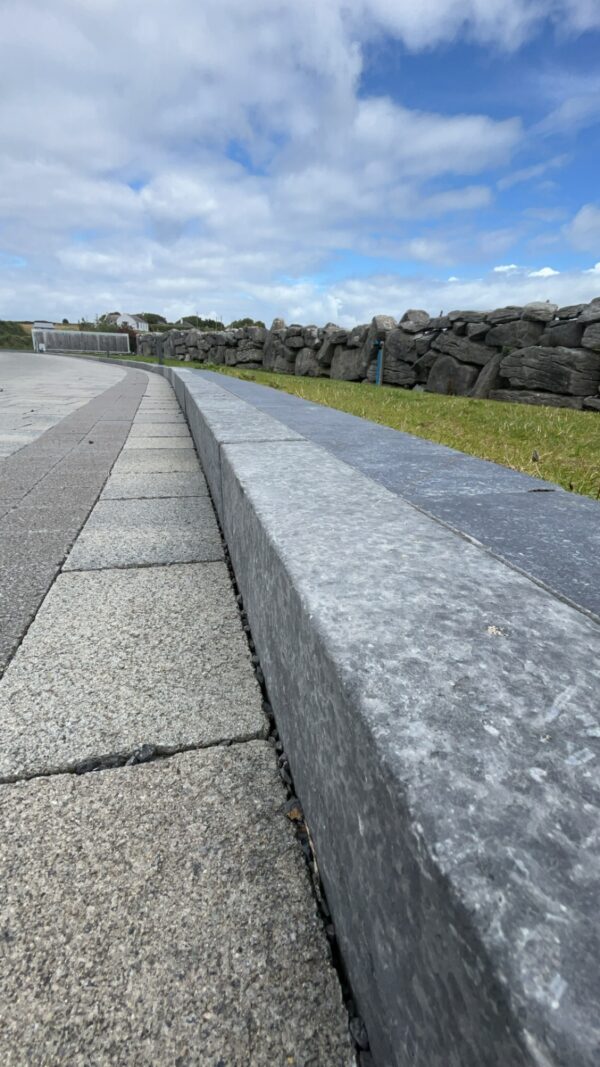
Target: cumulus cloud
543, 272
215, 156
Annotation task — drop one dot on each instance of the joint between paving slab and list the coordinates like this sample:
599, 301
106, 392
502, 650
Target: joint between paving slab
147, 752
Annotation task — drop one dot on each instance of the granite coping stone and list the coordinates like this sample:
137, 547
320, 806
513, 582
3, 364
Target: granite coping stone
161, 914
454, 740
440, 713
119, 659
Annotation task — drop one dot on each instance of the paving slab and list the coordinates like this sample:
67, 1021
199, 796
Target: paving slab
157, 460
159, 442
125, 533
121, 659
161, 915
121, 486
163, 429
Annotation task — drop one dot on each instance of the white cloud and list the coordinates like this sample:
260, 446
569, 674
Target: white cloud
583, 231
189, 153
543, 272
505, 268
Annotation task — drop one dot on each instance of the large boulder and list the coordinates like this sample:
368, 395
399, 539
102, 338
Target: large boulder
488, 378
285, 359
520, 333
307, 365
348, 364
553, 400
414, 320
357, 336
592, 403
277, 324
506, 314
591, 313
570, 371
567, 334
476, 331
591, 336
465, 316
570, 311
244, 353
539, 311
462, 349
451, 377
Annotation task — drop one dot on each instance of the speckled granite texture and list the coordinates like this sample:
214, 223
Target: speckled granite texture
440, 712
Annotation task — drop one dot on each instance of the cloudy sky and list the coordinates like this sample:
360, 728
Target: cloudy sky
315, 159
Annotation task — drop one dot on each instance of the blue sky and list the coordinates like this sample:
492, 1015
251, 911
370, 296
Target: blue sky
319, 161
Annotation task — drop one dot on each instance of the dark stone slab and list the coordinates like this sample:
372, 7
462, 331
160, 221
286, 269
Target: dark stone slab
52, 485
554, 537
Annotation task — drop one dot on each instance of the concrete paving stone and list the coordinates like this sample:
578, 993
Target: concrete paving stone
121, 486
120, 659
67, 495
20, 548
163, 429
161, 915
45, 517
23, 474
158, 442
23, 586
148, 460
125, 533
157, 419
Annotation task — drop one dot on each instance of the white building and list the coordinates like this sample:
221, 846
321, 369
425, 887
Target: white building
116, 318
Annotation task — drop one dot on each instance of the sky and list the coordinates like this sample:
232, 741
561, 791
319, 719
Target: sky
318, 160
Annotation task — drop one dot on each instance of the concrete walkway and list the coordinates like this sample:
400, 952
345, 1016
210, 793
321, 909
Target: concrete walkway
154, 902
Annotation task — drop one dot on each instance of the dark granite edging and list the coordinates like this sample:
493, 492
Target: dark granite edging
449, 792
53, 484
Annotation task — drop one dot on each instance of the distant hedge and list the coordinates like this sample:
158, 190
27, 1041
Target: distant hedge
12, 335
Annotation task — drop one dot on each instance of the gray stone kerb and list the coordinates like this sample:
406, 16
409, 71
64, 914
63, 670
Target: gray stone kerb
440, 712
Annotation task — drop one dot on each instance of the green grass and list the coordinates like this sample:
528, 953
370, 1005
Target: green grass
12, 335
567, 441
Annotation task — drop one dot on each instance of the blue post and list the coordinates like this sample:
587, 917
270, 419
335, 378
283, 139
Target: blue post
379, 370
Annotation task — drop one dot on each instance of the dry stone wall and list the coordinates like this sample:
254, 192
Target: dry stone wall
536, 354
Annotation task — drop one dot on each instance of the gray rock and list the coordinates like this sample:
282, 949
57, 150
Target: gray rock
571, 311
567, 333
539, 311
506, 314
462, 348
488, 377
325, 352
552, 400
415, 315
592, 312
400, 347
258, 334
414, 321
476, 331
307, 365
424, 364
567, 371
295, 341
520, 333
592, 403
348, 364
357, 336
277, 324
451, 377
238, 356
440, 322
285, 360
591, 336
424, 342
465, 316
